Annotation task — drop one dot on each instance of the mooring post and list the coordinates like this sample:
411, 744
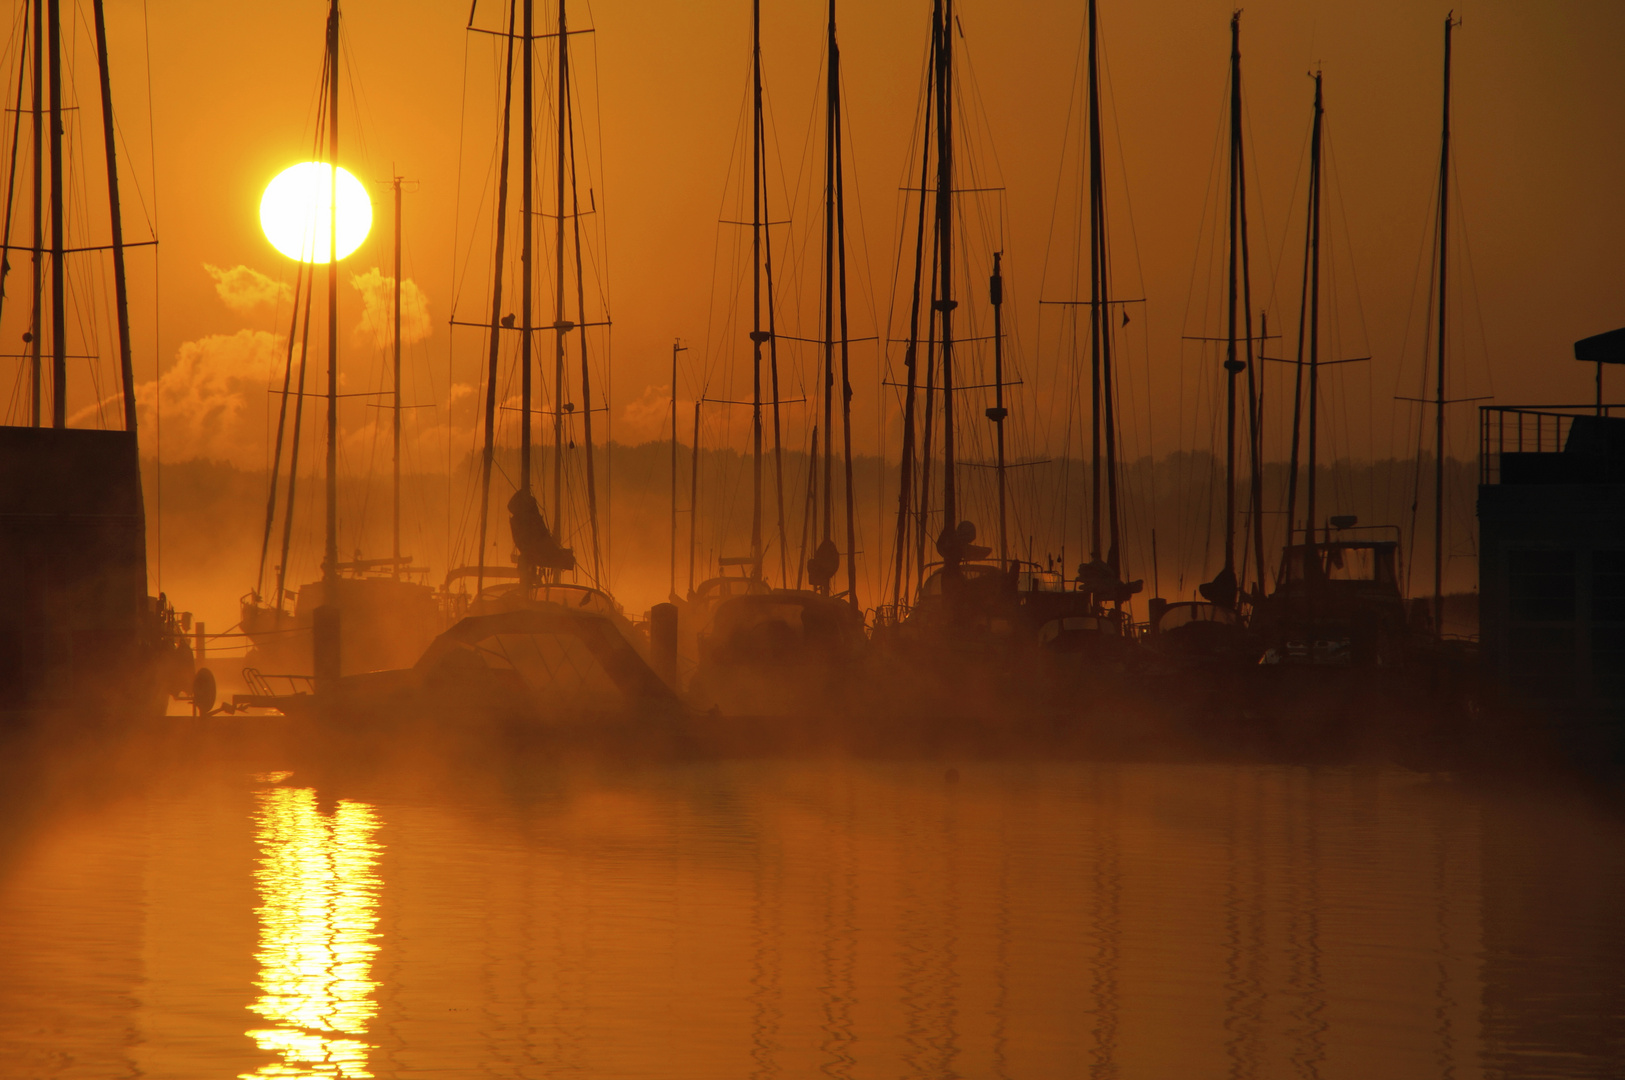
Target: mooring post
663, 641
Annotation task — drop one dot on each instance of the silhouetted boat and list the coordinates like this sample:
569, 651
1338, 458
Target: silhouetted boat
538, 669
364, 614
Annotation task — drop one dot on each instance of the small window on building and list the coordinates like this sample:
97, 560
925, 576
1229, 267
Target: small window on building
1540, 586
1608, 586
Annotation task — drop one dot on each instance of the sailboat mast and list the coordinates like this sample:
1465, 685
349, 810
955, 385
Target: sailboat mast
1232, 365
121, 294
945, 284
495, 349
756, 335
561, 325
330, 566
693, 494
326, 627
59, 313
298, 431
1095, 298
1303, 316
773, 385
828, 380
1254, 388
395, 507
581, 309
37, 323
527, 233
1314, 314
677, 347
840, 252
1440, 402
905, 479
995, 289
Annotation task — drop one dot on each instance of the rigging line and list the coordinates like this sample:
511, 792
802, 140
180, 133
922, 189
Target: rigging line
1472, 276
11, 171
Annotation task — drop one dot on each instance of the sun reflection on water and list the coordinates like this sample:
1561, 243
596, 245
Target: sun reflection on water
318, 886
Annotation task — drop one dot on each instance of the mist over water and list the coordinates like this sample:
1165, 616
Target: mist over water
230, 907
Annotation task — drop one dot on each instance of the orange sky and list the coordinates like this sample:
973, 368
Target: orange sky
1539, 126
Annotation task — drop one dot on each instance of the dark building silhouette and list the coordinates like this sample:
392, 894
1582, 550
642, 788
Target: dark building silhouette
1551, 512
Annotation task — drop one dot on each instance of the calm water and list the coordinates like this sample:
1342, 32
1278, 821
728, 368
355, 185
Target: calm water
797, 919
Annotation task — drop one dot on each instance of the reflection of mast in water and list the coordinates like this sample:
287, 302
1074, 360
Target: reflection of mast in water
1107, 926
1303, 932
840, 953
767, 932
1001, 958
928, 939
1244, 929
318, 887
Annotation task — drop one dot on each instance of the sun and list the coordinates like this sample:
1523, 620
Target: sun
294, 211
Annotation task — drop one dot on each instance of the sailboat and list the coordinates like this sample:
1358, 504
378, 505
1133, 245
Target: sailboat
536, 648
363, 614
78, 633
776, 650
1338, 600
544, 570
981, 621
1214, 628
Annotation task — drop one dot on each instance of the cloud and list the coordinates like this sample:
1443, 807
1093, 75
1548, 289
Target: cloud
245, 290
378, 312
213, 397
647, 418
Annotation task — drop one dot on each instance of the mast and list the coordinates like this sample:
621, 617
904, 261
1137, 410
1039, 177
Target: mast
1095, 298
840, 243
1232, 365
1254, 388
995, 287
1439, 398
1312, 296
693, 494
945, 303
330, 567
1305, 312
36, 327
773, 368
905, 480
1101, 377
59, 313
561, 325
527, 242
757, 336
677, 347
326, 629
395, 516
496, 310
298, 430
581, 307
828, 381
121, 294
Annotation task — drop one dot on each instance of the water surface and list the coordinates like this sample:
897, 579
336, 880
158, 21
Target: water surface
804, 918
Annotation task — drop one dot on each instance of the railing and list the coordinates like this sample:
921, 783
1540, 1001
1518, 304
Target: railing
259, 685
1526, 429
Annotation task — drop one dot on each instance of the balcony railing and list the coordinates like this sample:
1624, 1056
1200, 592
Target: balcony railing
1527, 429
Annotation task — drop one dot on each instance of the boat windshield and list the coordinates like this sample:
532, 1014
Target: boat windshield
1343, 562
1179, 615
1041, 581
969, 571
